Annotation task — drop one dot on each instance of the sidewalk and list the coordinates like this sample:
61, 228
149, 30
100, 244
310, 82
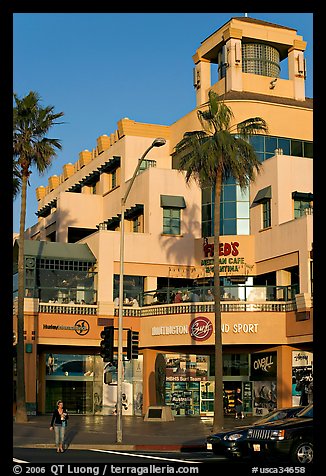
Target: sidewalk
94, 431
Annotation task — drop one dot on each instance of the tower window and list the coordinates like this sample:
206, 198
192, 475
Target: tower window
258, 58
267, 214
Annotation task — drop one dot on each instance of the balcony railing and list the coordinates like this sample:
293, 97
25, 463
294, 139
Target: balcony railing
56, 308
189, 308
169, 309
161, 302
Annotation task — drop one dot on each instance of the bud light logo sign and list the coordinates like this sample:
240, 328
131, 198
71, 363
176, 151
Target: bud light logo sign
200, 328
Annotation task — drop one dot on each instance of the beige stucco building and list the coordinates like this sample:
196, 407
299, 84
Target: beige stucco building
265, 256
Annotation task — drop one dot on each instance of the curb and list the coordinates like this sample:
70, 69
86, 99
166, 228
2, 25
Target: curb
121, 446
178, 447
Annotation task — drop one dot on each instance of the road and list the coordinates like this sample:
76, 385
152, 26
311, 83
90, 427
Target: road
31, 461
28, 461
45, 455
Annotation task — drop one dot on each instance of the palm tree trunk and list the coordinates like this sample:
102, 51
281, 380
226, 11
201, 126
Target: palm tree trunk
21, 413
218, 421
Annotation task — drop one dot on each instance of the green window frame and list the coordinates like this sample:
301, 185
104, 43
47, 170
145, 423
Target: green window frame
171, 221
300, 207
267, 214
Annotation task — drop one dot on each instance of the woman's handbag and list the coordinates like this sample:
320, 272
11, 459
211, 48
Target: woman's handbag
64, 421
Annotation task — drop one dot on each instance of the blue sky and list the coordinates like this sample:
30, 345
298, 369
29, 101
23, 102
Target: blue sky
100, 67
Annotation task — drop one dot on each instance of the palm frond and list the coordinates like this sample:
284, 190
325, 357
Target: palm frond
31, 123
16, 179
251, 126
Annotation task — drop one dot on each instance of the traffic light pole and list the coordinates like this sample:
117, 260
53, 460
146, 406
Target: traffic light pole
120, 327
156, 143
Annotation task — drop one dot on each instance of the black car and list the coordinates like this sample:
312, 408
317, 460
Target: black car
233, 443
291, 438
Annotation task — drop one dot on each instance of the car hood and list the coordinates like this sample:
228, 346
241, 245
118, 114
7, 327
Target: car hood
286, 423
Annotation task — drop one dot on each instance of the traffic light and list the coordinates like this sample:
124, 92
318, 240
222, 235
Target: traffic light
132, 344
106, 344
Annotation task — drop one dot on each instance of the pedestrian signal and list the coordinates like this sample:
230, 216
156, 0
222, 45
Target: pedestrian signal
132, 344
106, 345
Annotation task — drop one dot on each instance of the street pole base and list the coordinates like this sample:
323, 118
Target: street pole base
159, 413
119, 436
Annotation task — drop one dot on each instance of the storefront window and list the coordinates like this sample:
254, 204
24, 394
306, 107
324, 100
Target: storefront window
64, 365
302, 377
234, 365
78, 380
186, 380
183, 398
263, 373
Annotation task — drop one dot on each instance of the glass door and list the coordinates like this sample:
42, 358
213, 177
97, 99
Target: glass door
207, 397
76, 396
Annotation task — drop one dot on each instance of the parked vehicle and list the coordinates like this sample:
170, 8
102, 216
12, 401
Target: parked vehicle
292, 438
233, 443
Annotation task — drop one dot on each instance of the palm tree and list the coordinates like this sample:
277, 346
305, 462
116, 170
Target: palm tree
16, 179
210, 156
31, 147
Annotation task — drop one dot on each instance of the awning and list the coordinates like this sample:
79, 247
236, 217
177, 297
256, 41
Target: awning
56, 250
173, 201
130, 214
307, 197
262, 196
46, 209
93, 176
134, 211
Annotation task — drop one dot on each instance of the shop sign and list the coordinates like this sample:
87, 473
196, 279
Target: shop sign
301, 358
263, 365
225, 249
81, 327
169, 330
200, 328
230, 259
240, 328
186, 368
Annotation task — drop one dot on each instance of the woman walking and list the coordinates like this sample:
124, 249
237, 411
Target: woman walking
58, 423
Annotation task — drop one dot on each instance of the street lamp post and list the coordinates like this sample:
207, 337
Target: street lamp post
156, 143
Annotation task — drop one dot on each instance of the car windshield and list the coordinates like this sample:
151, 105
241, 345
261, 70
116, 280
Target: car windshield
307, 412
